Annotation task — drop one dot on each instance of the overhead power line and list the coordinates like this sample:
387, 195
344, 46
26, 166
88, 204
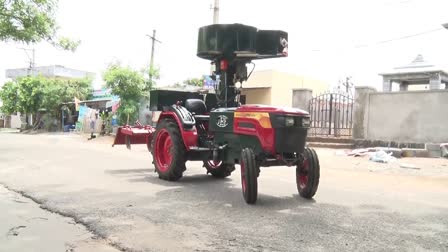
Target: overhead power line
389, 40
408, 36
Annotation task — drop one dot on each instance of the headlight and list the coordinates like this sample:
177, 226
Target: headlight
289, 121
306, 122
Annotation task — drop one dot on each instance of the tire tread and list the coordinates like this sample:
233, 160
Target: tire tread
313, 174
251, 171
177, 167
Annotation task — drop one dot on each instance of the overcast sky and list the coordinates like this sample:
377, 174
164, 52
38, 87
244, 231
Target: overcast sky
328, 40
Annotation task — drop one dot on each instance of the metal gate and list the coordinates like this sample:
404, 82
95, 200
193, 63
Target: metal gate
331, 115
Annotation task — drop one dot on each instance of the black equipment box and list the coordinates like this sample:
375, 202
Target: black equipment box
240, 41
165, 98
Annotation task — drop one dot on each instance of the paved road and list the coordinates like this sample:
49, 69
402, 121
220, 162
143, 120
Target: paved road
26, 227
360, 205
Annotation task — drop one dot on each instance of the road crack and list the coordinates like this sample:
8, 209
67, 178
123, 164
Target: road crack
76, 219
14, 231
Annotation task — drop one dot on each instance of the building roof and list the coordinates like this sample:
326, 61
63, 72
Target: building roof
92, 100
54, 71
418, 65
186, 88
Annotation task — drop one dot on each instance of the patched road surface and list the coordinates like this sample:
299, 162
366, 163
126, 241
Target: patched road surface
119, 200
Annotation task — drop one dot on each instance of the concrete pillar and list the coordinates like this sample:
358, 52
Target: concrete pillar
403, 86
8, 121
387, 85
361, 111
435, 82
301, 98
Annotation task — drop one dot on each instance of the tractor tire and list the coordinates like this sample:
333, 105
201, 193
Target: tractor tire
168, 151
218, 169
249, 175
307, 174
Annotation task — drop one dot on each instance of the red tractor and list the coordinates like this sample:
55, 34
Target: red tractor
218, 130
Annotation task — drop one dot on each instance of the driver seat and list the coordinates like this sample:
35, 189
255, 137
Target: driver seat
198, 108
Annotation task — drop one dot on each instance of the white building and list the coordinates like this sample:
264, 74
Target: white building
55, 71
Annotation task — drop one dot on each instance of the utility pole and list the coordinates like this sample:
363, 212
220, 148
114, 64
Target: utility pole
151, 64
32, 58
348, 85
215, 9
216, 12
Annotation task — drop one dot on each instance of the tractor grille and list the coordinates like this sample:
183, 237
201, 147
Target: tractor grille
291, 138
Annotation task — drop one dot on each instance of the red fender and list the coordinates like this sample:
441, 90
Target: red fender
190, 137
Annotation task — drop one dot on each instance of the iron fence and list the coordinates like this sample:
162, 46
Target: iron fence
331, 115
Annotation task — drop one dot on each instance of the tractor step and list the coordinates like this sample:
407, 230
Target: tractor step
195, 148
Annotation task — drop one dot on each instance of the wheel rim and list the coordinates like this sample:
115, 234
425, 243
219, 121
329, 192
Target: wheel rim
163, 150
243, 177
214, 164
302, 178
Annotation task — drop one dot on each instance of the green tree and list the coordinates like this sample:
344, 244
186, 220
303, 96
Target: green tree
150, 76
30, 95
199, 82
124, 82
128, 111
67, 43
31, 21
130, 86
30, 92
57, 92
9, 97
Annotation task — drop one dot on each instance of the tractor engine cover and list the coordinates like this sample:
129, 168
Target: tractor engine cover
267, 129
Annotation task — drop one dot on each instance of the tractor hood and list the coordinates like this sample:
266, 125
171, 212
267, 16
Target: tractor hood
271, 109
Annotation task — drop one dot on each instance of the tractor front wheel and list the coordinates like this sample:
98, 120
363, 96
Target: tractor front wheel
249, 175
218, 169
168, 151
308, 173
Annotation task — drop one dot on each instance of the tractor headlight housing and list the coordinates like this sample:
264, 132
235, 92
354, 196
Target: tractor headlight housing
289, 121
306, 122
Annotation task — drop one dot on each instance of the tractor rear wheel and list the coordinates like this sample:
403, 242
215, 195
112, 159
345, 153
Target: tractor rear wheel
307, 174
218, 169
249, 175
168, 151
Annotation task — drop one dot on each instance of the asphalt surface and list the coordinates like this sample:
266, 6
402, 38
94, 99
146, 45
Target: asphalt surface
27, 227
115, 194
